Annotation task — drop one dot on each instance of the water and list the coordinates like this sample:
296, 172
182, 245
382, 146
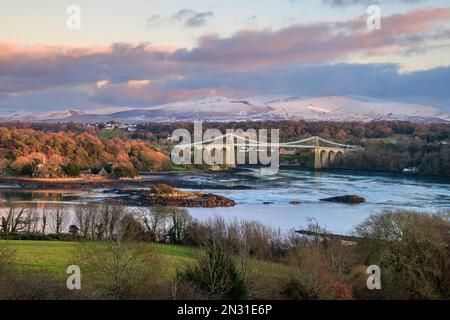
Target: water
382, 191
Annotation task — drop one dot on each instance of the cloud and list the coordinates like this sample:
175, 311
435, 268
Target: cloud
318, 42
342, 3
306, 59
154, 21
138, 83
102, 83
191, 18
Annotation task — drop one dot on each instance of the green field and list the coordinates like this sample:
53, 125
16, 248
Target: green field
54, 256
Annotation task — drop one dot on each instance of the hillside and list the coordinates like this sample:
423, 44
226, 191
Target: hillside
50, 154
268, 107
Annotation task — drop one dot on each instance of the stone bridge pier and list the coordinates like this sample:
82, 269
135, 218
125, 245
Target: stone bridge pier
326, 157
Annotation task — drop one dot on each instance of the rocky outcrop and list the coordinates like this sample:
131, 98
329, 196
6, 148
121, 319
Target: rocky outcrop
165, 195
192, 199
351, 199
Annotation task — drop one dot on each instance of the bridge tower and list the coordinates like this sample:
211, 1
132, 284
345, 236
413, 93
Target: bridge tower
317, 154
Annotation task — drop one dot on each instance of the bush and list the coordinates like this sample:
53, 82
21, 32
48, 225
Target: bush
27, 170
320, 272
36, 285
253, 237
215, 275
24, 236
412, 250
120, 270
124, 172
72, 169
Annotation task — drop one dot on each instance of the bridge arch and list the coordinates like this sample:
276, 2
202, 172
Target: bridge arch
331, 157
324, 159
339, 159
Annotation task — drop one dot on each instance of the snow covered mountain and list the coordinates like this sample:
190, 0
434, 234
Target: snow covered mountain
267, 107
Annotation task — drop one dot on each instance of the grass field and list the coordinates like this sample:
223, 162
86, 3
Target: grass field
54, 256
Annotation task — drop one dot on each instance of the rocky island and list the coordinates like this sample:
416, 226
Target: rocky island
350, 199
165, 195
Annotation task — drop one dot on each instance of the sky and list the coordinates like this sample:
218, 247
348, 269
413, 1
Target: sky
141, 53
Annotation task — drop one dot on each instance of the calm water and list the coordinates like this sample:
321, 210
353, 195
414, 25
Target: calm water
382, 191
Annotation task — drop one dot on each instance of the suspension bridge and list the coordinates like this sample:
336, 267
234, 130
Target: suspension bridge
232, 145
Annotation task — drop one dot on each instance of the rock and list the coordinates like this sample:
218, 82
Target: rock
163, 188
267, 202
190, 199
295, 203
352, 199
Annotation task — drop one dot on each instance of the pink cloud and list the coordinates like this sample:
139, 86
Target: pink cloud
145, 72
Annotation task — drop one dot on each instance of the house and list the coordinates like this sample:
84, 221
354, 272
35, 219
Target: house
103, 172
287, 151
410, 170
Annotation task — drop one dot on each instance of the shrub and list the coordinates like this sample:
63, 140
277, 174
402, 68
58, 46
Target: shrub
72, 169
124, 172
36, 285
320, 272
412, 250
27, 170
120, 270
215, 275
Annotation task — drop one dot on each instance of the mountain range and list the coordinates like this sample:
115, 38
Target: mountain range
268, 107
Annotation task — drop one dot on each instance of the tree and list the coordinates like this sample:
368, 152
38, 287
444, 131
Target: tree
412, 249
119, 270
154, 220
72, 169
215, 275
73, 230
180, 220
60, 218
14, 219
85, 217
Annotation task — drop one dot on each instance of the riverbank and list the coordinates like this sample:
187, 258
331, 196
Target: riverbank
128, 192
106, 183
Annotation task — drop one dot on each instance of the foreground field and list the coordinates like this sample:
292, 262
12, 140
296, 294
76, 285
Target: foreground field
54, 256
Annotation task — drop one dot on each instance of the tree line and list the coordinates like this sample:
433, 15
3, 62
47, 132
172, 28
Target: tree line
52, 153
55, 150
388, 145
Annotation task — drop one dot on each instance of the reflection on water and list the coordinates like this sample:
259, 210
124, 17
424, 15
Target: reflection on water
382, 191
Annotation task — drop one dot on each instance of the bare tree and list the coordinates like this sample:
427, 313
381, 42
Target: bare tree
44, 220
109, 219
13, 219
85, 218
154, 220
60, 219
119, 270
32, 220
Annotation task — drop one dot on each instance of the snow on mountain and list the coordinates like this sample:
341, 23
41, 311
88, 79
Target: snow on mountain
55, 115
266, 107
345, 109
208, 108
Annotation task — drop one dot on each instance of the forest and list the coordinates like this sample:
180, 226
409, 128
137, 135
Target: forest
66, 149
69, 151
389, 146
